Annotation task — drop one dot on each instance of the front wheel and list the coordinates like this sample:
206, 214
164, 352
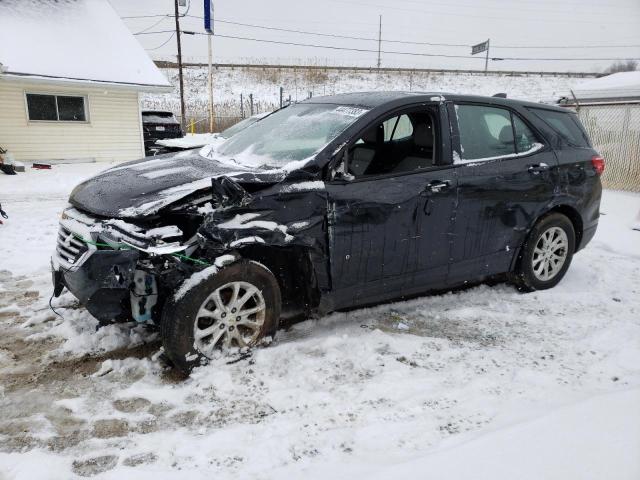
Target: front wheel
546, 254
236, 307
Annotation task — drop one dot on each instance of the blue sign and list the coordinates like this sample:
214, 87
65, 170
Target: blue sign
208, 17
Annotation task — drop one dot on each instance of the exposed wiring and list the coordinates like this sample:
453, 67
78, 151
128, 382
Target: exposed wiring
124, 246
53, 309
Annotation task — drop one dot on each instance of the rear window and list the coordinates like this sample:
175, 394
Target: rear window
158, 117
566, 125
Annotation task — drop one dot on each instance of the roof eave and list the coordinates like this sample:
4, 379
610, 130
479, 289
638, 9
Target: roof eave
48, 79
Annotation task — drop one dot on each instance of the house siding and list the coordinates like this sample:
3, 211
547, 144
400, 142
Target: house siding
113, 131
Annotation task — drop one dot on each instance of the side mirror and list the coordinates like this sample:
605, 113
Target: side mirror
340, 172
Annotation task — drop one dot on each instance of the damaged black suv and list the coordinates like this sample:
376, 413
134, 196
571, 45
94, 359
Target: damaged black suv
329, 204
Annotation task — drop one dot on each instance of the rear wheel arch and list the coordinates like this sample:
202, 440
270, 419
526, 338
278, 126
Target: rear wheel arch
568, 211
574, 216
529, 271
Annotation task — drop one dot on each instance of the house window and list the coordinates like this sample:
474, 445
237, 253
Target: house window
56, 108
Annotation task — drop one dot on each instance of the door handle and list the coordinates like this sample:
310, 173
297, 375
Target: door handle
536, 168
437, 186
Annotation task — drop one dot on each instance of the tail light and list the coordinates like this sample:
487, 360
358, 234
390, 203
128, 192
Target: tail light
598, 164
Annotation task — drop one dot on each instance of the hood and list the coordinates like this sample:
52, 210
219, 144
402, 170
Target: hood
143, 187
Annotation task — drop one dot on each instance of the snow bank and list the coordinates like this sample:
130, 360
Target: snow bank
616, 85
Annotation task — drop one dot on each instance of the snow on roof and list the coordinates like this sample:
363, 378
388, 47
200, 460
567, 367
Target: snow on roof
72, 40
615, 86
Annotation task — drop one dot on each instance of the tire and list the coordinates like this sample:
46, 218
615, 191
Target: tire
201, 304
550, 243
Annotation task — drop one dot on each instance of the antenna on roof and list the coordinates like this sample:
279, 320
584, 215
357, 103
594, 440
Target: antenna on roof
500, 95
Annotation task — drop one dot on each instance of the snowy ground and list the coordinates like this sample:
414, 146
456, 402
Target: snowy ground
483, 383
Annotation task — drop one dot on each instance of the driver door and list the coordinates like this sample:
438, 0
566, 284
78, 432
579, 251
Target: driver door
390, 220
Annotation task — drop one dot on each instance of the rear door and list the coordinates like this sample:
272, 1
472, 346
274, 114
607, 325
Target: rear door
506, 178
579, 182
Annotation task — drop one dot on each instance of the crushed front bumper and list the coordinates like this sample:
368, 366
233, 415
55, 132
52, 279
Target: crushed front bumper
99, 278
101, 283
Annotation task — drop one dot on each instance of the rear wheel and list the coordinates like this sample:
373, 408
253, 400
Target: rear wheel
234, 308
546, 254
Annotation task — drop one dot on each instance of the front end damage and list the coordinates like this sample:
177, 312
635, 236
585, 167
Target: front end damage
125, 270
114, 267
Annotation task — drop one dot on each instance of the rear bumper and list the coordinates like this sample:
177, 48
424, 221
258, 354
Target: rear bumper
101, 283
587, 234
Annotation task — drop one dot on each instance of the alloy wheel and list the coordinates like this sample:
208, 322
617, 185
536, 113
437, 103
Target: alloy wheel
231, 316
550, 253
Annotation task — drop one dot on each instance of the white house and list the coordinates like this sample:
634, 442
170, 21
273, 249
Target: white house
71, 75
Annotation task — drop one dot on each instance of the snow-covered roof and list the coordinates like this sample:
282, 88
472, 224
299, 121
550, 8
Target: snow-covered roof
73, 40
617, 86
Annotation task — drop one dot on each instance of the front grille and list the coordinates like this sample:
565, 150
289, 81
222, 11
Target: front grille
69, 248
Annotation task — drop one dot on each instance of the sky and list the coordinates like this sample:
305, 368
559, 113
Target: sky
593, 30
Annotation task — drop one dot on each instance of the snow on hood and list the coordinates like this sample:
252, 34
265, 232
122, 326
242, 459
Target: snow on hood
143, 187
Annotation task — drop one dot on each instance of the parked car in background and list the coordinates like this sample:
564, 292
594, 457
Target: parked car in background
332, 203
156, 125
196, 140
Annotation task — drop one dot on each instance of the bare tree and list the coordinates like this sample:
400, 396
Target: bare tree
623, 66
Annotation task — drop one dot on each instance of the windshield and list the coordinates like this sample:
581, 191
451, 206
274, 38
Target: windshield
292, 134
241, 125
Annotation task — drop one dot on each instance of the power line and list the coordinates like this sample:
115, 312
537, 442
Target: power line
152, 26
514, 7
409, 42
406, 42
163, 43
330, 47
438, 12
153, 32
564, 46
145, 16
394, 52
332, 35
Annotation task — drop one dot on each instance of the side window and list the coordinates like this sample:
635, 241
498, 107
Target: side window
566, 124
525, 139
401, 144
485, 132
397, 128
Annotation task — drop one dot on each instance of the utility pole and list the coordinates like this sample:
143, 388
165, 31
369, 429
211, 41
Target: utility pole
210, 84
379, 39
486, 58
182, 110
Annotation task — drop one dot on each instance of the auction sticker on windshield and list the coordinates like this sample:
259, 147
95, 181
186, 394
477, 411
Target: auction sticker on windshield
351, 111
